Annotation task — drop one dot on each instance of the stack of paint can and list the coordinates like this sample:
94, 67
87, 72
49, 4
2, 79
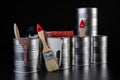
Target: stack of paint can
80, 51
27, 57
87, 26
61, 47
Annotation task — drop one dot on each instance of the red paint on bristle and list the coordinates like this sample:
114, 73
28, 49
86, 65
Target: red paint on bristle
82, 24
39, 28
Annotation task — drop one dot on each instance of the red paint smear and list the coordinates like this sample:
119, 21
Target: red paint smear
39, 28
82, 24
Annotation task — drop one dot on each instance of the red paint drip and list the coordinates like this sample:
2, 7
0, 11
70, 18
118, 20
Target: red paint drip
39, 28
82, 24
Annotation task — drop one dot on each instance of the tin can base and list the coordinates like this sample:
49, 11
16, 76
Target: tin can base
99, 63
25, 72
80, 65
65, 68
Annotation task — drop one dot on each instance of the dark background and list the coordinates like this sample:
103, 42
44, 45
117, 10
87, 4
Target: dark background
57, 15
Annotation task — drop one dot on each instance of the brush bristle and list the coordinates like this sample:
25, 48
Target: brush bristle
50, 61
51, 65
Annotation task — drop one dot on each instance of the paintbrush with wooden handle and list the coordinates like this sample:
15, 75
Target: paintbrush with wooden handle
24, 42
82, 28
49, 57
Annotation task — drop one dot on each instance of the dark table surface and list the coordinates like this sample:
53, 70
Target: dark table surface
91, 72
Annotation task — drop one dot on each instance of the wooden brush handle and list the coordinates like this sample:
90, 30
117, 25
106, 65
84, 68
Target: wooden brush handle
42, 37
16, 31
82, 32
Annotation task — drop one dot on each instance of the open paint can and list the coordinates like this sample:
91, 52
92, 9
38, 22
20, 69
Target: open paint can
27, 55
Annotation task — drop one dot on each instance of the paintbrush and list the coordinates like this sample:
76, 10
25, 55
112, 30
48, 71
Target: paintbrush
24, 42
82, 28
49, 57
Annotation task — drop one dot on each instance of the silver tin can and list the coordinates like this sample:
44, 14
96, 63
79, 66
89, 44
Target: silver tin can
81, 60
65, 62
99, 49
33, 55
81, 50
80, 44
33, 76
61, 46
87, 21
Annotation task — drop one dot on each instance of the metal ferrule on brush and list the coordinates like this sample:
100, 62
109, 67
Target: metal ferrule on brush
48, 55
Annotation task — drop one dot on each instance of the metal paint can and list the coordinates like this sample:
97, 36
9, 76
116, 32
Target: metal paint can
87, 20
61, 47
99, 49
65, 62
81, 53
80, 44
33, 55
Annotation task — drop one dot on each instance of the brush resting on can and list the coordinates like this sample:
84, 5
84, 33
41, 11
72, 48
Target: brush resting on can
24, 42
50, 60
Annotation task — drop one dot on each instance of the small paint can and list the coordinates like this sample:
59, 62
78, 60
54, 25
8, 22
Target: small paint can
99, 49
81, 51
87, 21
